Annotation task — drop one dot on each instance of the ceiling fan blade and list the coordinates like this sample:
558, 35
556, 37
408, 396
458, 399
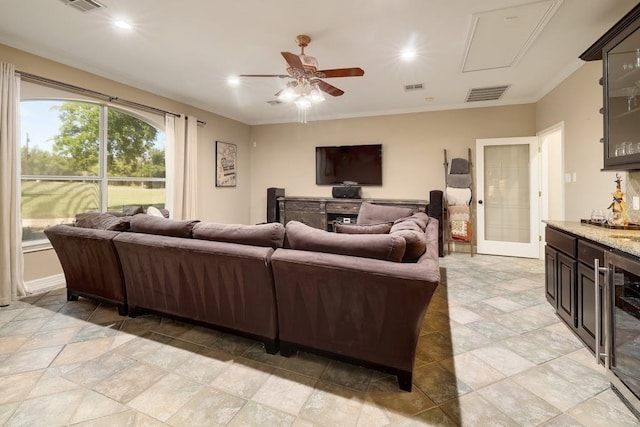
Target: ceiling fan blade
341, 72
282, 76
326, 87
293, 60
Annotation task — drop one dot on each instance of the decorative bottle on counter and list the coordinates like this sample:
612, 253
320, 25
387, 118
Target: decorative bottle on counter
618, 206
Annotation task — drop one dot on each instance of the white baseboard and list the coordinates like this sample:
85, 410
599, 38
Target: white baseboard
45, 284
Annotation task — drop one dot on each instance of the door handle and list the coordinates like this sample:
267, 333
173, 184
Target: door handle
597, 270
479, 202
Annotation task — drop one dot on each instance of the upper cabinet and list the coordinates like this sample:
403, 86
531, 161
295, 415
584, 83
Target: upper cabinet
619, 50
621, 60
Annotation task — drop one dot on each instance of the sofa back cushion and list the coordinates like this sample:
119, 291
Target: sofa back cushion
421, 219
383, 228
162, 226
102, 221
376, 214
267, 235
379, 246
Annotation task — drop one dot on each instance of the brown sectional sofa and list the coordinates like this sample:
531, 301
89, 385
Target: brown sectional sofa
359, 309
358, 297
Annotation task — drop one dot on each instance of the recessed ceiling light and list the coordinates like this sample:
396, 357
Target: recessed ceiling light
408, 55
233, 81
123, 24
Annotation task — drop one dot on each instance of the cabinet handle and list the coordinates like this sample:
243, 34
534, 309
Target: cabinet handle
597, 269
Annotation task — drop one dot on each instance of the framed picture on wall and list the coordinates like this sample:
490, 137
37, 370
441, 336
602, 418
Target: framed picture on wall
226, 164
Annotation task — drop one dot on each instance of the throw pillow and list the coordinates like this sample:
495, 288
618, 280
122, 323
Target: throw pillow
269, 235
102, 221
153, 211
162, 226
379, 246
375, 214
383, 228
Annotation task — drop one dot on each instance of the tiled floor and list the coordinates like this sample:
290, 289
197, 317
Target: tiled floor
491, 352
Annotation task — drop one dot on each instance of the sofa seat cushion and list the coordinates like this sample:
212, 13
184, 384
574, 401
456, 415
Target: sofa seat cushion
376, 214
102, 221
162, 226
379, 246
383, 228
267, 235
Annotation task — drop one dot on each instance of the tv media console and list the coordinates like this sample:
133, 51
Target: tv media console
323, 212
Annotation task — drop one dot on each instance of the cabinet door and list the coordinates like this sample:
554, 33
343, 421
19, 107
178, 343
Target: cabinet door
621, 96
312, 219
550, 269
306, 211
586, 305
566, 295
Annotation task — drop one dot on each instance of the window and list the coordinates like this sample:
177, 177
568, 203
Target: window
81, 156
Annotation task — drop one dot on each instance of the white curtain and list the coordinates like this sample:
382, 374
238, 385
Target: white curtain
181, 153
11, 260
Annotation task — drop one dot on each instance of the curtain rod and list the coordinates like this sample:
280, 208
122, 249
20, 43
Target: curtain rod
113, 99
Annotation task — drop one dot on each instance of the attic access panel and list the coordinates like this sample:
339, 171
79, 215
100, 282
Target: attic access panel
499, 38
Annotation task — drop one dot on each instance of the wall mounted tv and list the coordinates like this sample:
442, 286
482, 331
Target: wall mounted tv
355, 164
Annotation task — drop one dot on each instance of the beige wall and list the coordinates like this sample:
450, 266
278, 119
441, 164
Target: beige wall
577, 102
215, 204
283, 155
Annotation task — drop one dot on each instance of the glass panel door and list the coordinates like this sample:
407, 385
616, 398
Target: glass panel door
507, 196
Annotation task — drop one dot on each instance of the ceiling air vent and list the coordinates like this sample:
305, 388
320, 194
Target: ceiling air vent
415, 86
486, 93
84, 5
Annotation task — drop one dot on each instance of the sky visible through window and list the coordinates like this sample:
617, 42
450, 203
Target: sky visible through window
40, 121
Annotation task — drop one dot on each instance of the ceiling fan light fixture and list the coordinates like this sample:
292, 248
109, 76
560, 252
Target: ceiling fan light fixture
315, 94
303, 103
288, 94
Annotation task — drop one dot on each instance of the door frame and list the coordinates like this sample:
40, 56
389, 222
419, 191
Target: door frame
547, 163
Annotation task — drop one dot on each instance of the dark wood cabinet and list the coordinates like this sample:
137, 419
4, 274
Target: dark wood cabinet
570, 281
587, 323
561, 262
321, 213
566, 292
551, 271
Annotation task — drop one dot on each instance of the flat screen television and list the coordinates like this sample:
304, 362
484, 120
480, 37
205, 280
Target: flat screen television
355, 164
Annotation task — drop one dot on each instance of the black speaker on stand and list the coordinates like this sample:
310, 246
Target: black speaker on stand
436, 210
273, 209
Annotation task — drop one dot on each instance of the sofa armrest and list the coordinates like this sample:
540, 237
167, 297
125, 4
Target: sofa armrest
89, 260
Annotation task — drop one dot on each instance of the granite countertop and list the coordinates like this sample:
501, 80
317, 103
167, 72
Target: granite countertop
622, 240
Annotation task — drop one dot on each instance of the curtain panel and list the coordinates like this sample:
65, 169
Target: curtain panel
11, 257
182, 166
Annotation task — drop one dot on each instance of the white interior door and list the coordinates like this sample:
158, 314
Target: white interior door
507, 196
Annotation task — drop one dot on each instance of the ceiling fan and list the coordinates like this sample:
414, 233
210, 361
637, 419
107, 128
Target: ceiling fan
303, 70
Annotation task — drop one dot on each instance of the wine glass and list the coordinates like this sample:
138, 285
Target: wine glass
597, 216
